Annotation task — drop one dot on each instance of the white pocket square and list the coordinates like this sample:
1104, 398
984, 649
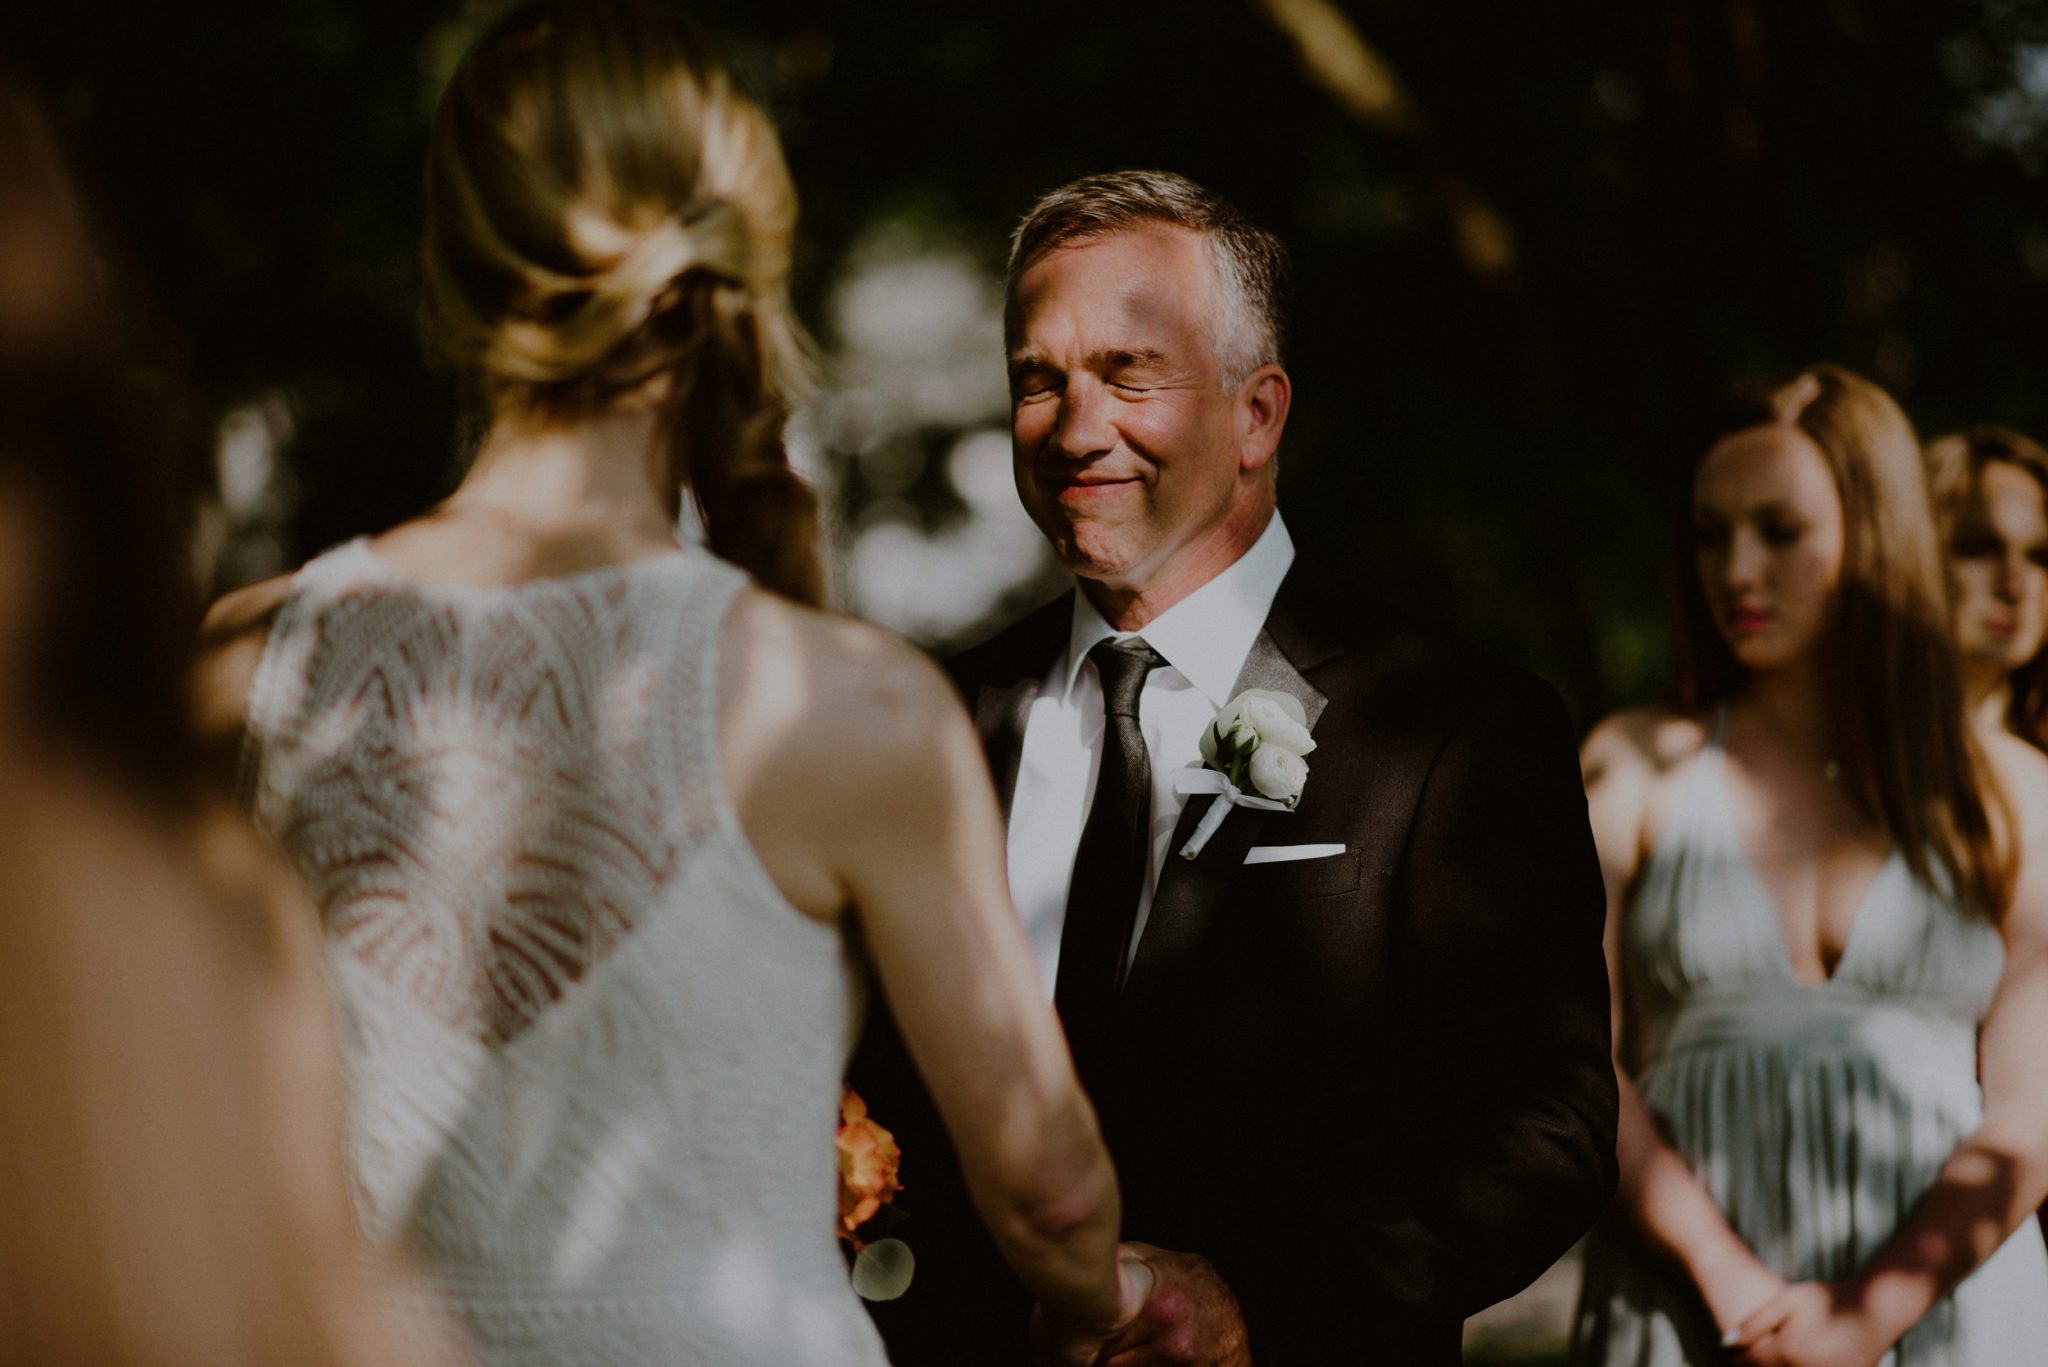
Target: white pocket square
1274, 854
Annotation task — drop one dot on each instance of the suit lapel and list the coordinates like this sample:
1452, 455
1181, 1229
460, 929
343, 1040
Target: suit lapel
1267, 666
1000, 712
1000, 681
1191, 892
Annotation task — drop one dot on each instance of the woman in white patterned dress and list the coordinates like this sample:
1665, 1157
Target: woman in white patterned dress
1825, 906
605, 837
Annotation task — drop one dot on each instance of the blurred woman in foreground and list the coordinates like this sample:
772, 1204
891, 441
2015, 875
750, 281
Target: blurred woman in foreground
1820, 895
171, 1179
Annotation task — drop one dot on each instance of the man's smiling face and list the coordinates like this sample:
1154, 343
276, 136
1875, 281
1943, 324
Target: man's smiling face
1124, 441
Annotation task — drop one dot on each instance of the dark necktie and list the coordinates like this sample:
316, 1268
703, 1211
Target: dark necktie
1110, 864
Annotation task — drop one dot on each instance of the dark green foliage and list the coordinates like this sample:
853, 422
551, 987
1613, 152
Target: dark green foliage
1694, 189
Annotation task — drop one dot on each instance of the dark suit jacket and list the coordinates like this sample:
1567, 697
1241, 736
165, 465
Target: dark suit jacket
1373, 1090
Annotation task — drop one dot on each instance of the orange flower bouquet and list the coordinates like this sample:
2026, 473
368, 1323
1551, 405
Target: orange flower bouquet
868, 1164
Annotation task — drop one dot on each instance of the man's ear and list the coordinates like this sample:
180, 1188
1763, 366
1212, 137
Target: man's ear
1261, 414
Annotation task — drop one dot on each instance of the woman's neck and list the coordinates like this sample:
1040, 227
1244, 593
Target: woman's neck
598, 472
1987, 691
1791, 703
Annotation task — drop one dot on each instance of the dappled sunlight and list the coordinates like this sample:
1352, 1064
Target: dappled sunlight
914, 437
1338, 59
933, 586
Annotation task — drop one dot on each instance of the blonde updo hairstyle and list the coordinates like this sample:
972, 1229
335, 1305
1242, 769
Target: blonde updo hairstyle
610, 218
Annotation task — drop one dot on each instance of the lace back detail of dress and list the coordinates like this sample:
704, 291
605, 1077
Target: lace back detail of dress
486, 790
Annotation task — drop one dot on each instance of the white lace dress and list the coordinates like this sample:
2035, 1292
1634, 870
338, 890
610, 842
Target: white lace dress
593, 1055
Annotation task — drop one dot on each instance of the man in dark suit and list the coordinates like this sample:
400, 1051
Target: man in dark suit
1351, 1058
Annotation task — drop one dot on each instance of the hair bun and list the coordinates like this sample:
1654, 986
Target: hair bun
712, 237
606, 209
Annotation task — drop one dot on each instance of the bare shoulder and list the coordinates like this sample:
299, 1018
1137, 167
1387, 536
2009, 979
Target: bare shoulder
2022, 770
843, 692
2022, 775
231, 640
1641, 746
1629, 762
254, 889
245, 609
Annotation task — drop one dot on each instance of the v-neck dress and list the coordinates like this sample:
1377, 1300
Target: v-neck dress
1815, 1114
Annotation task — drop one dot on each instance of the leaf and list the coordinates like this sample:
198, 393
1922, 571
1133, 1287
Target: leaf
883, 1270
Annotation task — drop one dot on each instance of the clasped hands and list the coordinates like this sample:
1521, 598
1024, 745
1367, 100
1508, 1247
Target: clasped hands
1184, 1316
1810, 1324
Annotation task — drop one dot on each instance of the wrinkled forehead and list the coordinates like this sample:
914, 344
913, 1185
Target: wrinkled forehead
1155, 282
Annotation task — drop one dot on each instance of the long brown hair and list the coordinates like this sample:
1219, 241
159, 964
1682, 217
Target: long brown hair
607, 212
97, 443
1904, 750
1954, 464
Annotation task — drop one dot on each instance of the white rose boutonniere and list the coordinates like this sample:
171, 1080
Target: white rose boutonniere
1253, 755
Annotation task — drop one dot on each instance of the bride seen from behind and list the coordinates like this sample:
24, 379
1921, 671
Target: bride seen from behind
605, 836
1824, 900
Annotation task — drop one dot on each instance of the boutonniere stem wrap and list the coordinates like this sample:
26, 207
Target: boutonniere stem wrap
1253, 756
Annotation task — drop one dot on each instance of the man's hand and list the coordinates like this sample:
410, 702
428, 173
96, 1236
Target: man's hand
1190, 1320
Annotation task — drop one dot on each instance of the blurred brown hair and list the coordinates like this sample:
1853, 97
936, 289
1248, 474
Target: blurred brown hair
605, 211
1896, 694
1954, 463
96, 444
50, 295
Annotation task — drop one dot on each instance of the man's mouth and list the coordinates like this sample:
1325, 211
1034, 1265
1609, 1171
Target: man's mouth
1087, 486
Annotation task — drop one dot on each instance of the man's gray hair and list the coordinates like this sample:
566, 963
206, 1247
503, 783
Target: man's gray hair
1253, 273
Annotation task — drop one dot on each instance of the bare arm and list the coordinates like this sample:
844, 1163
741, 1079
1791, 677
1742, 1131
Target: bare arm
230, 646
1671, 1210
865, 787
1998, 1176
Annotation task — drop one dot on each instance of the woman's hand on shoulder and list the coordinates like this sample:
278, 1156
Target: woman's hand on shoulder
231, 641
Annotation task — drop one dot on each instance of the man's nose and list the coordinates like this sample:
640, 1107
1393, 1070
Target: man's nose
1083, 428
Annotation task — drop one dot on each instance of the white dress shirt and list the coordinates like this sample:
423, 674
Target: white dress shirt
1204, 638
